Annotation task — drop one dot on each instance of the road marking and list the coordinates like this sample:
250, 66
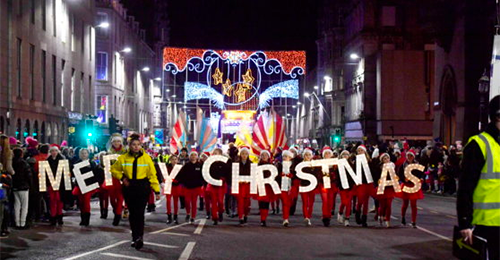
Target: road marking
187, 251
169, 228
97, 250
175, 234
125, 256
160, 245
200, 226
432, 211
434, 234
451, 216
392, 217
420, 208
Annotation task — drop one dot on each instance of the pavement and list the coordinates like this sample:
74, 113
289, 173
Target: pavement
201, 240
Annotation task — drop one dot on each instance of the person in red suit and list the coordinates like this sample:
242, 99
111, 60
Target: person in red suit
363, 192
309, 197
345, 194
173, 197
205, 198
243, 196
286, 196
328, 195
218, 171
409, 198
84, 199
115, 191
388, 195
191, 177
264, 201
55, 202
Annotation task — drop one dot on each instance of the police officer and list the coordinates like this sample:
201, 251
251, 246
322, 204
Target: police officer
137, 172
478, 200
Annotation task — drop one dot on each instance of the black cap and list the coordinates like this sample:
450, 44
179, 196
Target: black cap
494, 108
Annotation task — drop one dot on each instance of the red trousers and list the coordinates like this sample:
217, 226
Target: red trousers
152, 196
191, 197
55, 202
413, 209
84, 200
345, 202
328, 199
385, 208
116, 196
363, 192
286, 198
208, 199
216, 195
175, 193
308, 203
243, 199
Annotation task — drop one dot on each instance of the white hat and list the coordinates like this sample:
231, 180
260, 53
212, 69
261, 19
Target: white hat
287, 153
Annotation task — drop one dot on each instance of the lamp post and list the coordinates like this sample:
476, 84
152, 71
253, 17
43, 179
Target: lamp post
483, 87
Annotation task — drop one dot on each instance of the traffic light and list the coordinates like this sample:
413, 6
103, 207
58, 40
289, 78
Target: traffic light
337, 136
89, 128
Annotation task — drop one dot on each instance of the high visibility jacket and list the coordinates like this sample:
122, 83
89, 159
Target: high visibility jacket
136, 168
486, 197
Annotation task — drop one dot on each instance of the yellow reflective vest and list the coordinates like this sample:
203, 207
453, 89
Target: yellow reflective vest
486, 197
124, 166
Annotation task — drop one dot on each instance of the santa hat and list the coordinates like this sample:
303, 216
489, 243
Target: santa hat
307, 150
55, 147
362, 146
287, 153
325, 150
411, 151
116, 137
375, 153
12, 140
207, 154
344, 152
244, 148
265, 151
293, 148
32, 142
397, 151
383, 155
193, 151
64, 143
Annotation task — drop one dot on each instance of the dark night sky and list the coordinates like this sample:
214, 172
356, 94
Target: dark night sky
236, 24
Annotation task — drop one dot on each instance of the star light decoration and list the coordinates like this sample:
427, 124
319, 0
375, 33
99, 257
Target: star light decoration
217, 76
241, 92
227, 88
248, 78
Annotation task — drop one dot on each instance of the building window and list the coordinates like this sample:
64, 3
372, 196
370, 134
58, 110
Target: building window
102, 109
72, 20
90, 42
63, 97
18, 63
102, 66
32, 11
72, 94
388, 16
101, 18
82, 87
54, 20
54, 80
44, 14
90, 90
44, 72
32, 72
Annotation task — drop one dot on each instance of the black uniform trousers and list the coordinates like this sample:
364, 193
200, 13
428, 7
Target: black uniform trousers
136, 196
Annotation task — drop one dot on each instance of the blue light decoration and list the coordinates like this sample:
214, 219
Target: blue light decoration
285, 89
195, 90
234, 78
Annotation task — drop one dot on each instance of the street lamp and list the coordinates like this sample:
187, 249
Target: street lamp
483, 88
126, 50
306, 94
316, 87
103, 25
299, 103
354, 56
146, 69
158, 79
